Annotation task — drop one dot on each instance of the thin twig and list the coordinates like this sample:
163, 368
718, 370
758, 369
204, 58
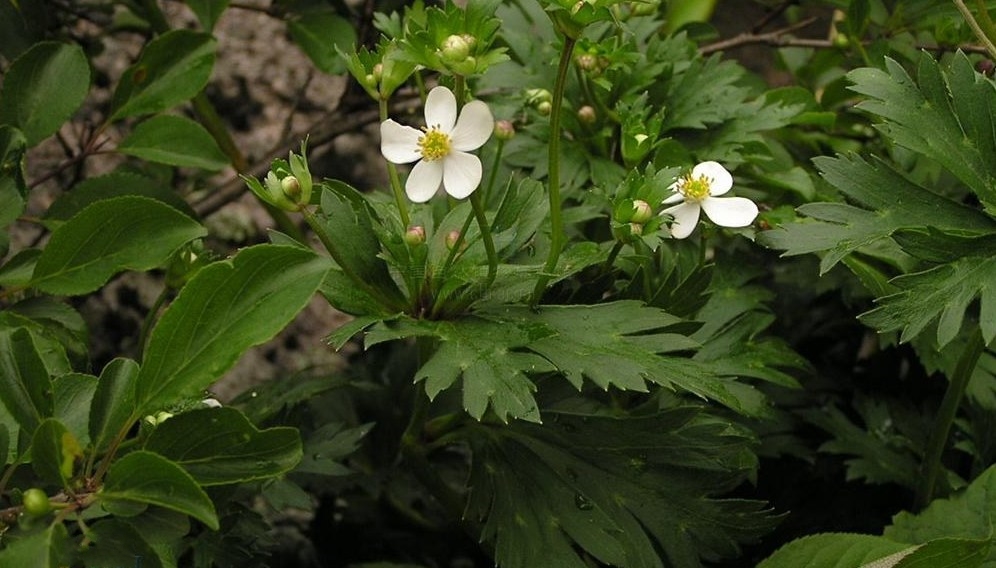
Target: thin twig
771, 15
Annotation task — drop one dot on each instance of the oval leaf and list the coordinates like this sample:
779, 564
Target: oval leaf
124, 233
150, 479
43, 88
219, 445
50, 548
113, 402
25, 385
54, 452
226, 308
176, 141
173, 68
318, 33
12, 186
114, 184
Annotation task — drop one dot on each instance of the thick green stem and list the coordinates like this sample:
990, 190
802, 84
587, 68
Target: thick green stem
557, 235
984, 37
392, 172
946, 414
489, 244
493, 172
613, 254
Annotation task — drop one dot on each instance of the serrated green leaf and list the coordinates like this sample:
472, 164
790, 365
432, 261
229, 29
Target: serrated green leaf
835, 550
947, 115
25, 385
208, 11
123, 233
941, 294
842, 229
226, 308
618, 489
48, 548
970, 514
43, 88
49, 346
54, 453
326, 447
486, 354
173, 68
113, 402
947, 553
59, 324
147, 478
218, 446
320, 33
176, 141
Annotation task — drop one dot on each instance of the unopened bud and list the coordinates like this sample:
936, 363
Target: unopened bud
577, 7
415, 235
642, 212
471, 40
455, 49
636, 229
504, 130
452, 238
587, 62
587, 115
986, 67
544, 108
537, 96
378, 71
291, 187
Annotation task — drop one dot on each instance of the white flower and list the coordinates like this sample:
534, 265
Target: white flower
698, 191
441, 149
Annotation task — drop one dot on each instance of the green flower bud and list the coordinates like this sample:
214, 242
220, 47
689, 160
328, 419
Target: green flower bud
452, 238
291, 187
378, 71
642, 212
504, 130
415, 235
544, 108
536, 96
455, 49
36, 503
587, 62
636, 229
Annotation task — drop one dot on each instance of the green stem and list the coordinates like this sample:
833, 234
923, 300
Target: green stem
985, 21
392, 173
493, 172
616, 249
489, 244
557, 235
459, 89
330, 245
946, 414
976, 28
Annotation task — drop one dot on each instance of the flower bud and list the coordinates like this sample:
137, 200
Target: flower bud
455, 49
452, 238
504, 130
378, 71
415, 235
642, 212
537, 96
587, 62
636, 229
587, 115
986, 67
471, 40
544, 108
291, 187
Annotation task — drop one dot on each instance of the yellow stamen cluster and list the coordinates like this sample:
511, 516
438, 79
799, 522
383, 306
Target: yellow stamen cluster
696, 188
434, 144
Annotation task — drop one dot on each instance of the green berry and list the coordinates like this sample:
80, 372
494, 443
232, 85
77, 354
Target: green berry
35, 502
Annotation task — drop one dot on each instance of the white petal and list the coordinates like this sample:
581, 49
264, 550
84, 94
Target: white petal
424, 180
673, 198
474, 126
440, 109
461, 174
686, 216
730, 211
721, 182
398, 143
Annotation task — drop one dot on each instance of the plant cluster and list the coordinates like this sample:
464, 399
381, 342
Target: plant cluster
618, 301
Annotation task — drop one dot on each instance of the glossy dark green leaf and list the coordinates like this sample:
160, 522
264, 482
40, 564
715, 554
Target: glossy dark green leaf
109, 236
25, 385
73, 397
173, 68
318, 32
55, 453
835, 550
147, 478
114, 184
226, 308
219, 445
113, 402
118, 543
176, 141
43, 88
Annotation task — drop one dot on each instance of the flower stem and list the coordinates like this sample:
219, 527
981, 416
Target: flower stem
392, 173
616, 249
946, 414
557, 235
981, 33
489, 244
493, 173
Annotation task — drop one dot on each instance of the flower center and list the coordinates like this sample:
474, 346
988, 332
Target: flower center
434, 144
696, 188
